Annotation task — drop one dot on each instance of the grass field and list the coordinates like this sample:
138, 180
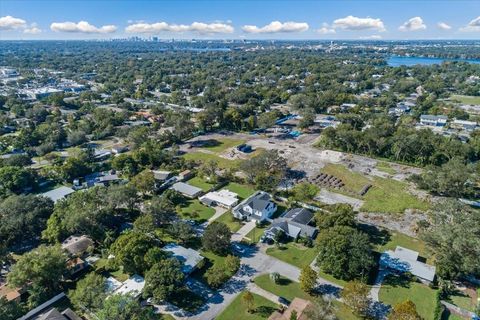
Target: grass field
237, 310
204, 157
294, 254
243, 191
396, 289
256, 233
201, 183
465, 99
193, 209
385, 167
223, 144
230, 221
290, 289
390, 196
385, 195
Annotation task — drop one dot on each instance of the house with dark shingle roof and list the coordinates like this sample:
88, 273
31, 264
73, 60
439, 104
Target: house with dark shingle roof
259, 207
294, 223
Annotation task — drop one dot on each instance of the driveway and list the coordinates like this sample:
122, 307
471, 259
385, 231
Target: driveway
218, 212
243, 231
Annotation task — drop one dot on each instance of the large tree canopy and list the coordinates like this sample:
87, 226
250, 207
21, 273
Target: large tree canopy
23, 218
454, 237
345, 253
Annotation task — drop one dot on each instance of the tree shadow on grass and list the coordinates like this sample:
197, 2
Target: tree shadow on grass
284, 281
377, 236
264, 311
398, 280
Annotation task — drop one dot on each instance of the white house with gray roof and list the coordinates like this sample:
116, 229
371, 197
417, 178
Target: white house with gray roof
406, 260
259, 207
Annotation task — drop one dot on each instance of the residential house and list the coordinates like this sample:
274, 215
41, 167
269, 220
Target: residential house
11, 294
326, 121
258, 207
464, 125
132, 286
186, 189
76, 246
294, 223
119, 148
188, 257
297, 306
223, 198
405, 260
433, 121
58, 193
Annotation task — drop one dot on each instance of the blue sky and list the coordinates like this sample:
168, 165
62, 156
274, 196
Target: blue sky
235, 19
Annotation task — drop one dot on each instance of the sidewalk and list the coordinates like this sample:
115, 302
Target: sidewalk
261, 292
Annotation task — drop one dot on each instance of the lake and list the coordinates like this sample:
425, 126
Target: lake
397, 61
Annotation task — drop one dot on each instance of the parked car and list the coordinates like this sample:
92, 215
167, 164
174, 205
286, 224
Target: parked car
283, 301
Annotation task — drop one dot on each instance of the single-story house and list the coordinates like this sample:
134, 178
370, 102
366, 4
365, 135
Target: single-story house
406, 260
294, 223
464, 125
11, 294
433, 121
77, 245
132, 286
298, 305
59, 193
161, 176
112, 284
223, 198
186, 189
75, 265
119, 148
188, 257
259, 206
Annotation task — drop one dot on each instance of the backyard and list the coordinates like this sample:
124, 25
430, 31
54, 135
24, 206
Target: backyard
237, 310
243, 191
396, 289
466, 99
201, 183
195, 210
230, 221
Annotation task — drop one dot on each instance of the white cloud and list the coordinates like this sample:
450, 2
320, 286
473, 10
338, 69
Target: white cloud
372, 37
32, 30
81, 27
355, 23
199, 27
472, 26
413, 24
326, 29
10, 23
277, 27
443, 26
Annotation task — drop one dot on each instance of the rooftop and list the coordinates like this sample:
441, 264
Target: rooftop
405, 260
58, 193
186, 189
133, 286
189, 257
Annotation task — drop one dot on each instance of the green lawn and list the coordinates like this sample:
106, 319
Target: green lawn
396, 289
243, 191
391, 196
230, 221
223, 144
285, 287
290, 289
195, 210
257, 232
465, 99
210, 260
385, 167
204, 157
385, 195
462, 300
237, 310
119, 275
201, 183
294, 254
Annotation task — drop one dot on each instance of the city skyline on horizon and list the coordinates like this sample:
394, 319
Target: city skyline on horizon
236, 20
